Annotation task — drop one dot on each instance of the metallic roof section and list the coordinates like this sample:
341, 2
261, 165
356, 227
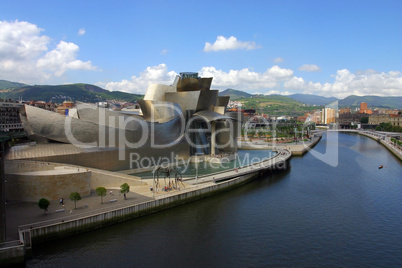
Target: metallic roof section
210, 116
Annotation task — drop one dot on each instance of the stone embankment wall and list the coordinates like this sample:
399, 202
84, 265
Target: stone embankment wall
32, 186
32, 180
26, 166
393, 150
66, 228
296, 149
108, 179
12, 254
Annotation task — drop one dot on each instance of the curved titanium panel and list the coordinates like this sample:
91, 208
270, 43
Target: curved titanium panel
207, 100
186, 100
188, 84
204, 83
129, 132
156, 92
210, 116
159, 111
223, 101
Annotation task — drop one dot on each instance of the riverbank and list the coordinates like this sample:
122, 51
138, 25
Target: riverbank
66, 221
381, 137
296, 148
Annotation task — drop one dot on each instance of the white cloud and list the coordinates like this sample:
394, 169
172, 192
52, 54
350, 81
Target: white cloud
278, 60
274, 80
347, 83
277, 92
153, 74
63, 58
309, 68
81, 31
231, 43
25, 55
245, 79
164, 51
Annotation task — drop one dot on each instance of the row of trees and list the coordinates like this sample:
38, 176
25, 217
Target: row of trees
388, 127
75, 196
281, 130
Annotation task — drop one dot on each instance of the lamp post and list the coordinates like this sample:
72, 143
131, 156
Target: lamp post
153, 186
196, 170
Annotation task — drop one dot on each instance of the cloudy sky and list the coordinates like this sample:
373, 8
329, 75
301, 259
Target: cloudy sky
329, 48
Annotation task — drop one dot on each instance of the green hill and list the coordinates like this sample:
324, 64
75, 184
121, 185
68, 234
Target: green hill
59, 93
312, 99
235, 94
276, 105
8, 86
372, 101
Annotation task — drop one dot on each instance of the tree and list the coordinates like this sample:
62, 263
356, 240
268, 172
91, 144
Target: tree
75, 197
124, 188
364, 120
242, 132
44, 204
101, 191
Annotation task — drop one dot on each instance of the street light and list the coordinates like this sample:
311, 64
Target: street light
153, 186
196, 170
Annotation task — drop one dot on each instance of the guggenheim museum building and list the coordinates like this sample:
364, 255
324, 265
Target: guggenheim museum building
185, 120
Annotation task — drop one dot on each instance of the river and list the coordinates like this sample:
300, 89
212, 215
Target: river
315, 214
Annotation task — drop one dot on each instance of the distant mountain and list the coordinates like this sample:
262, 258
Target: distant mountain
59, 93
235, 94
312, 99
372, 101
7, 85
351, 101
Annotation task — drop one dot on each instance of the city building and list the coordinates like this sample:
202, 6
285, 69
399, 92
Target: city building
65, 107
9, 116
364, 109
346, 121
396, 120
328, 116
376, 119
344, 111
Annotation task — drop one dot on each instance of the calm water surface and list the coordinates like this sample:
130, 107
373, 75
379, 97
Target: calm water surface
312, 215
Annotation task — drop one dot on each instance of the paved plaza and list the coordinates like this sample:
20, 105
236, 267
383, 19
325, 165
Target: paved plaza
20, 213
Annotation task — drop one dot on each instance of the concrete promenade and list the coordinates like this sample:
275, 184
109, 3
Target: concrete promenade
19, 213
380, 136
296, 148
25, 220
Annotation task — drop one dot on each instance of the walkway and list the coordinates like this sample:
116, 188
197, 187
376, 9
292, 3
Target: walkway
296, 148
20, 213
381, 136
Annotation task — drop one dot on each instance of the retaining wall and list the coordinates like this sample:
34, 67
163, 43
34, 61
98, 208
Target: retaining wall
66, 228
12, 253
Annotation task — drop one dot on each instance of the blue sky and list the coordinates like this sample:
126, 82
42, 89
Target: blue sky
328, 48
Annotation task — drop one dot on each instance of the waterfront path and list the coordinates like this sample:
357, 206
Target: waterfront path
296, 148
28, 214
381, 136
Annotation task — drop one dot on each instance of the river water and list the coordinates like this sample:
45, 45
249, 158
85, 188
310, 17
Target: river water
317, 213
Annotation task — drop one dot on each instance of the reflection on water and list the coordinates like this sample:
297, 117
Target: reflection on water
313, 215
